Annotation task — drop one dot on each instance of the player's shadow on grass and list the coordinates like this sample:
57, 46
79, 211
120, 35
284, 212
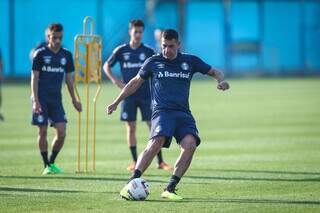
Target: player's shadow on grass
241, 201
80, 178
226, 178
255, 178
262, 171
15, 189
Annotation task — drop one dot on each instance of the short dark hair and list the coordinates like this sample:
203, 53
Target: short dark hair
55, 27
136, 23
170, 34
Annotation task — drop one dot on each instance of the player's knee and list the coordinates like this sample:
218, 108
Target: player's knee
61, 134
189, 144
42, 132
131, 129
156, 144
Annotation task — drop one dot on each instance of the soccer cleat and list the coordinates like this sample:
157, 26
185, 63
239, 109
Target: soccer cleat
47, 171
55, 168
124, 193
132, 166
165, 166
171, 196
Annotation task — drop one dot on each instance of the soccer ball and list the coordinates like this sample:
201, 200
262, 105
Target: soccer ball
138, 189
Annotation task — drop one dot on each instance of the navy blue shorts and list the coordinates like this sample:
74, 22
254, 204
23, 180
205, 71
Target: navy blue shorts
52, 112
129, 108
173, 123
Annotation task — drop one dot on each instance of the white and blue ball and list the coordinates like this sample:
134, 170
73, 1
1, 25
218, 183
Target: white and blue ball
138, 189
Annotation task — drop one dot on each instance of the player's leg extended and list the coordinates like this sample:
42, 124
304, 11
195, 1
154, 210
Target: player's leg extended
161, 163
57, 144
43, 143
43, 147
132, 143
146, 157
188, 146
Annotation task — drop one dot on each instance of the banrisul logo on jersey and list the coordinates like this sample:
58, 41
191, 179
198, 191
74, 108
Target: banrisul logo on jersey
167, 74
129, 65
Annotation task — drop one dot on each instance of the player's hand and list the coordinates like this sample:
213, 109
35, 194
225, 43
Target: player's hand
223, 85
111, 108
36, 107
77, 105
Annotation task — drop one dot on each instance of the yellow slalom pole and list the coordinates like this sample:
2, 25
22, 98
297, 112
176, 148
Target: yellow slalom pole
87, 111
79, 114
79, 144
94, 129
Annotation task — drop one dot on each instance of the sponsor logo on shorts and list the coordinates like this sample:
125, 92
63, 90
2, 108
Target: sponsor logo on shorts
124, 115
40, 118
158, 129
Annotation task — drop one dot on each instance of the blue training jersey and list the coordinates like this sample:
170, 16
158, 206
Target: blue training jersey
170, 80
52, 67
131, 61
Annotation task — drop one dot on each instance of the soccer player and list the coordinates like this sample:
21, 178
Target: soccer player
170, 73
131, 56
50, 64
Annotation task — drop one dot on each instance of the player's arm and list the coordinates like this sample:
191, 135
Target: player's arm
36, 107
108, 71
70, 85
218, 75
128, 90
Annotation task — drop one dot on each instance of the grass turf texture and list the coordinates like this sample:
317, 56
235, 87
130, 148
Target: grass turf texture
259, 153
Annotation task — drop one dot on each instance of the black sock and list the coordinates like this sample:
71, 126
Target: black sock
136, 174
174, 180
45, 158
133, 150
159, 156
53, 156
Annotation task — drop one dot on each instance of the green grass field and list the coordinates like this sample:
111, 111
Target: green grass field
260, 152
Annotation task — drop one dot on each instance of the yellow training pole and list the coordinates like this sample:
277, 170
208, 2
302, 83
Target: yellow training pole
94, 129
87, 69
87, 110
79, 114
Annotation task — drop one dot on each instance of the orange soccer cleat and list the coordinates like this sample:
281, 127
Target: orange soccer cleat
132, 166
165, 166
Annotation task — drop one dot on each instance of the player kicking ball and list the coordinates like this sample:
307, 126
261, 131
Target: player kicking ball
50, 64
170, 74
